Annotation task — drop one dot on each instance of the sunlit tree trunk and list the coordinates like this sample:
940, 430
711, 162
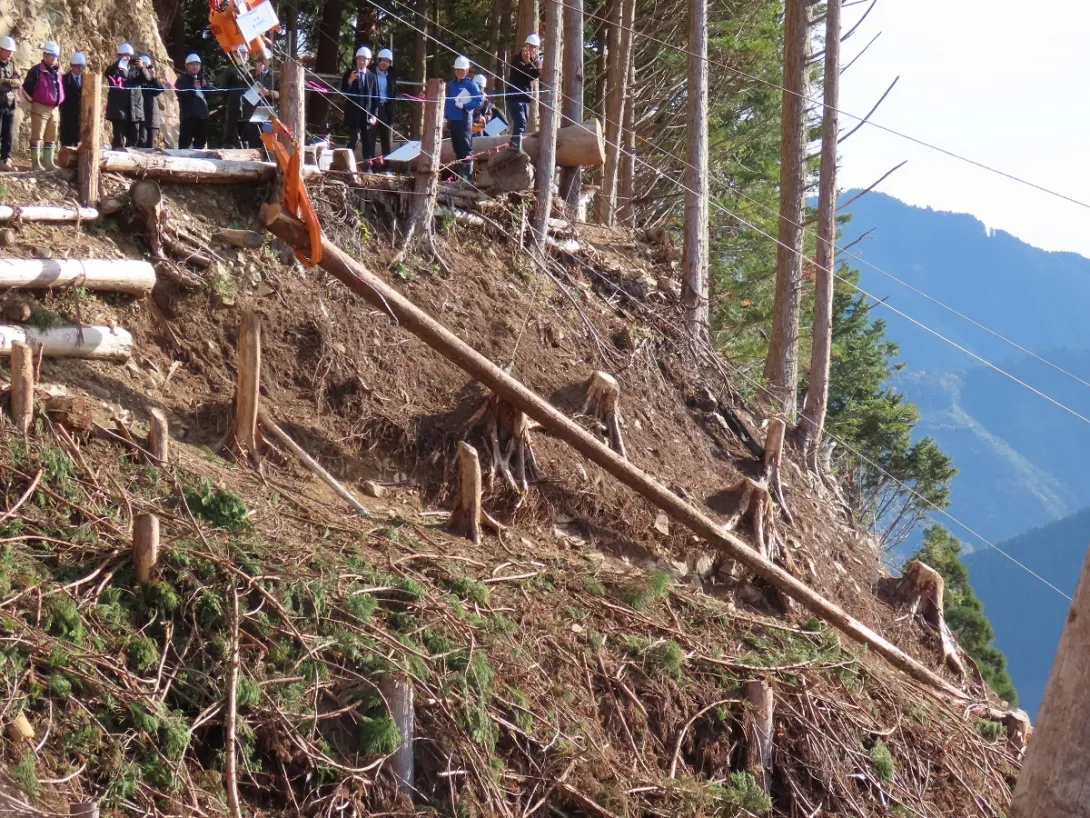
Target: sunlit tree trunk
694, 254
572, 103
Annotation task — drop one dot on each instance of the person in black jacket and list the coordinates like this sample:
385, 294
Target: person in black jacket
153, 116
264, 81
234, 81
192, 105
125, 98
73, 94
10, 80
386, 93
525, 69
361, 112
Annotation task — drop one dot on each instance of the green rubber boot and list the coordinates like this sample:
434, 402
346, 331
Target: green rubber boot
47, 157
36, 156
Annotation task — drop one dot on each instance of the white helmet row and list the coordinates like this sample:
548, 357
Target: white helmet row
481, 81
461, 63
79, 58
52, 49
533, 39
125, 50
193, 58
386, 54
7, 43
363, 51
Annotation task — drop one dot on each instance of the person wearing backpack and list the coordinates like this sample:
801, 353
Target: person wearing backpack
43, 88
192, 105
125, 98
72, 85
153, 116
9, 87
463, 97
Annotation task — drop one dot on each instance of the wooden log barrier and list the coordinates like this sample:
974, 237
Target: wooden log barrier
97, 344
47, 214
382, 296
575, 145
113, 275
184, 170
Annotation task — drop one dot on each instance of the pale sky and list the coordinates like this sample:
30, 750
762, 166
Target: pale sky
1001, 82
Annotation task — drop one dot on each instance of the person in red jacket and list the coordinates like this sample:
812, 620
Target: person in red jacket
43, 88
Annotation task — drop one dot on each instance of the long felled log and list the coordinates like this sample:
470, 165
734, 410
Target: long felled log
576, 145
384, 297
165, 168
114, 275
98, 343
47, 214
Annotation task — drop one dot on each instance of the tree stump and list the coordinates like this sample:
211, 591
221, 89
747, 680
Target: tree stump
758, 729
468, 514
756, 503
923, 589
145, 546
83, 809
603, 403
345, 160
21, 730
158, 436
22, 386
168, 243
511, 171
773, 460
507, 432
243, 438
398, 692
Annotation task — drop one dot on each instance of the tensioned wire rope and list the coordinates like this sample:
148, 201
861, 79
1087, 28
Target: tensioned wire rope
775, 239
783, 403
842, 251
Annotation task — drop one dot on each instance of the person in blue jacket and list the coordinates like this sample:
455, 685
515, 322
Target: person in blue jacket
463, 97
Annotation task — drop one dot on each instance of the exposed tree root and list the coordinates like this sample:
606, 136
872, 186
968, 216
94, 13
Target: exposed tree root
923, 589
507, 433
171, 246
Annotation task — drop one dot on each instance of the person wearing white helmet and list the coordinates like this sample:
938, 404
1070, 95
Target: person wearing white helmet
463, 98
153, 115
525, 70
9, 87
386, 93
125, 79
72, 83
192, 105
361, 112
43, 88
487, 112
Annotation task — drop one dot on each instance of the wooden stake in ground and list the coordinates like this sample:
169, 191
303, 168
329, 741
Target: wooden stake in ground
922, 587
468, 514
758, 730
426, 185
773, 462
694, 253
145, 546
22, 386
90, 138
158, 435
230, 764
373, 289
243, 438
603, 403
398, 692
1055, 777
550, 122
782, 364
809, 430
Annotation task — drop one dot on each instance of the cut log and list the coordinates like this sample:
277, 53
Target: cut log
603, 403
22, 386
312, 464
74, 412
511, 171
183, 170
158, 435
97, 343
242, 438
145, 546
923, 589
243, 239
468, 514
398, 692
377, 292
46, 214
575, 145
113, 275
758, 730
344, 161
20, 729
223, 154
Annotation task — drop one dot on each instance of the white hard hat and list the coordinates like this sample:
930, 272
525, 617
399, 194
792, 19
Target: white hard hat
481, 80
533, 39
125, 49
7, 43
78, 58
462, 62
386, 54
146, 59
364, 51
52, 49
193, 58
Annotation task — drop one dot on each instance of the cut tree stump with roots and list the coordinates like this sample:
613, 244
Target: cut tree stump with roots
603, 403
507, 433
922, 588
468, 515
773, 461
756, 504
243, 438
171, 246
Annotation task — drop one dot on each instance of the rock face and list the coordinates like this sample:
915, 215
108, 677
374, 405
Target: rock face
94, 27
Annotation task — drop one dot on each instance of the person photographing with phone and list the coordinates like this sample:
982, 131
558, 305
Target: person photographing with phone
360, 85
525, 70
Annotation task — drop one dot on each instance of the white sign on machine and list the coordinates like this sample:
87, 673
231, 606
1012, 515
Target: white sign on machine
257, 21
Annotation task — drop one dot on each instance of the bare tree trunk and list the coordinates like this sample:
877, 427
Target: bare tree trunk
550, 123
620, 47
572, 105
433, 69
694, 254
420, 64
626, 184
171, 19
366, 25
293, 28
503, 42
326, 59
813, 413
601, 70
782, 365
